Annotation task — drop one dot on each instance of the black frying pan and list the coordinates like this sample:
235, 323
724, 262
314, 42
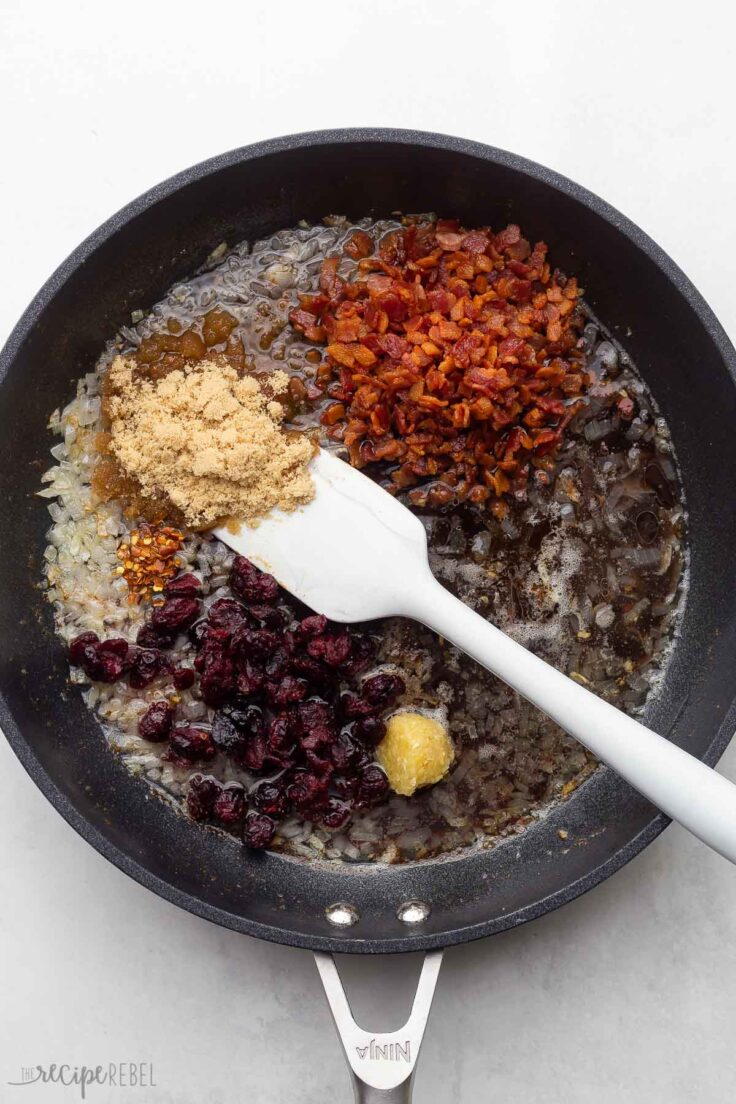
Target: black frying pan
128, 263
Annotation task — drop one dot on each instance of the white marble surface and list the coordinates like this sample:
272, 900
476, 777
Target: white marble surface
626, 995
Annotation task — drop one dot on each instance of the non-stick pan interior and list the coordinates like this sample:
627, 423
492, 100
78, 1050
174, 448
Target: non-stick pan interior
128, 264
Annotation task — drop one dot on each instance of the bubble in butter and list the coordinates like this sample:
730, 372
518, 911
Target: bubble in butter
416, 751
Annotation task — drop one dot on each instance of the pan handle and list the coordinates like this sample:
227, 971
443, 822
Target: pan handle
381, 1064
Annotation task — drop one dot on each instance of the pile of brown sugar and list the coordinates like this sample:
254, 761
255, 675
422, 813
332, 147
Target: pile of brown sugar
208, 439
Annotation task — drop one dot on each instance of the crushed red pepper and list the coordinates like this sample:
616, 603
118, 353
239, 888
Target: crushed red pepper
452, 355
149, 560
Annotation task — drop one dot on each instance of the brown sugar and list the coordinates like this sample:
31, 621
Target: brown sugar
209, 440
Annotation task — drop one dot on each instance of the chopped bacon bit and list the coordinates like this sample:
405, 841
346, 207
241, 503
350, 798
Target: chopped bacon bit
378, 284
341, 354
363, 356
335, 412
359, 245
306, 322
330, 284
453, 355
447, 239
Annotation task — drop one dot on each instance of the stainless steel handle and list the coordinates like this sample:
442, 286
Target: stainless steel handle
381, 1064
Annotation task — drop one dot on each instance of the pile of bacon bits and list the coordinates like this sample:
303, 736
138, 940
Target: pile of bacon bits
452, 356
292, 704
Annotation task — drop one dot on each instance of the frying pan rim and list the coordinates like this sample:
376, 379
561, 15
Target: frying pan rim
116, 223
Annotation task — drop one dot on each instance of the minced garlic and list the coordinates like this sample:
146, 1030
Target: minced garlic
416, 751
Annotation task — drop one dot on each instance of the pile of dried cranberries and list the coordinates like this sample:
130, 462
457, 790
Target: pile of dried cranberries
289, 704
451, 355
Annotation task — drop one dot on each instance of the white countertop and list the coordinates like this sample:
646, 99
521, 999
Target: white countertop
627, 995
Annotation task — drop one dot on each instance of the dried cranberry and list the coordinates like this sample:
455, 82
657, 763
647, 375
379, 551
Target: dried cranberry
318, 759
106, 661
232, 724
318, 737
370, 729
145, 665
258, 830
91, 663
313, 625
184, 678
311, 668
149, 637
254, 753
270, 797
113, 668
289, 690
270, 616
249, 680
176, 614
255, 644
183, 586
268, 588
332, 650
382, 689
341, 751
101, 662
362, 652
192, 743
250, 583
243, 574
230, 803
114, 646
109, 666
354, 706
216, 681
336, 813
346, 752
225, 734
78, 646
315, 714
307, 793
373, 785
246, 717
213, 647
282, 733
278, 663
226, 613
201, 796
155, 724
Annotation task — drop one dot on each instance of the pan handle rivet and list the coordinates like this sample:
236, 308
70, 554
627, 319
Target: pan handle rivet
413, 912
342, 915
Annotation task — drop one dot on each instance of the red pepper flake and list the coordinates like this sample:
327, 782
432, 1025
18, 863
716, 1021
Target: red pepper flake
149, 560
454, 356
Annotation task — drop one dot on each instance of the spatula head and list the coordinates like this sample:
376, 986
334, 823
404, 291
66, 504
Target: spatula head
353, 553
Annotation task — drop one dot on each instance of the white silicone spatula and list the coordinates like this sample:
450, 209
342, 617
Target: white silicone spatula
355, 553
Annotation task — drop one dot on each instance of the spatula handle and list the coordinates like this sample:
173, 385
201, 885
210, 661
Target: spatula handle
683, 787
